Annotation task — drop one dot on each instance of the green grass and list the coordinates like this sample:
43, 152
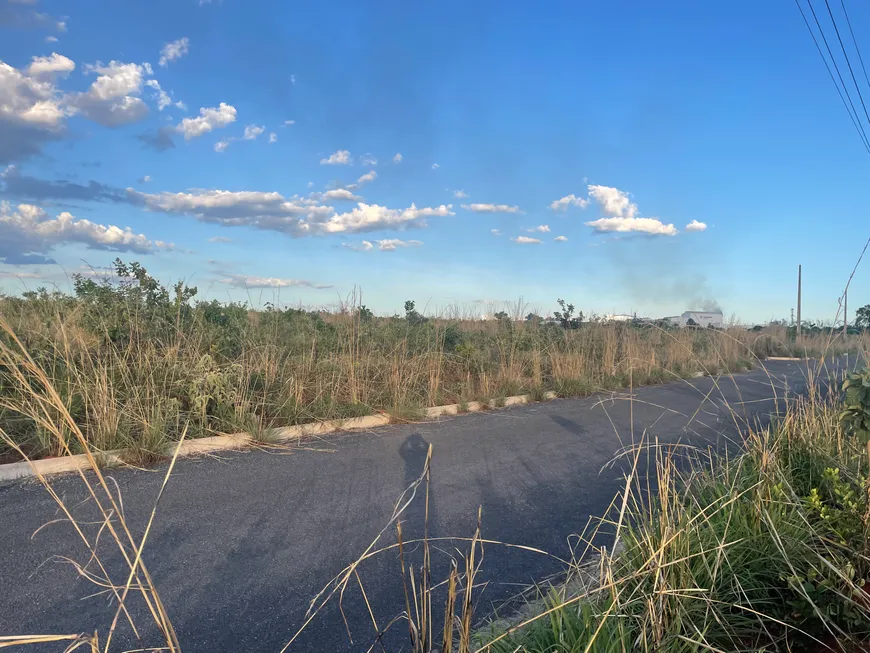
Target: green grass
767, 551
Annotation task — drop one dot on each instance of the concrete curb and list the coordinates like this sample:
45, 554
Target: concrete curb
237, 441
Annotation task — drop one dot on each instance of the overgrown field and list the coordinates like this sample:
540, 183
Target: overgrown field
768, 551
135, 363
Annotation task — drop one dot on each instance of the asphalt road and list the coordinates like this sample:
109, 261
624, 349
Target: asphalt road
243, 542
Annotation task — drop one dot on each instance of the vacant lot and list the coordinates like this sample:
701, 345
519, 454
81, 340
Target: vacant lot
136, 363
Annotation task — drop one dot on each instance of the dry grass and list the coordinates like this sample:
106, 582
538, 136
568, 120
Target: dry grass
132, 371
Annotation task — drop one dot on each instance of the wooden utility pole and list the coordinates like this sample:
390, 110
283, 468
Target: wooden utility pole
798, 333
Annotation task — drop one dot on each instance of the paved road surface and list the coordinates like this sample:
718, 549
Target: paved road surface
242, 543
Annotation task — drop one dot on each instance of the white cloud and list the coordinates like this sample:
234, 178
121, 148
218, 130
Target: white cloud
293, 80
541, 228
289, 123
368, 160
341, 194
649, 226
32, 113
220, 146
252, 131
145, 179
371, 217
495, 232
525, 240
694, 225
560, 239
297, 216
174, 50
113, 99
392, 244
340, 157
245, 281
364, 246
273, 137
569, 200
55, 65
385, 245
613, 202
460, 194
208, 120
371, 175
220, 239
622, 214
30, 101
435, 166
397, 158
491, 208
163, 98
51, 39
28, 235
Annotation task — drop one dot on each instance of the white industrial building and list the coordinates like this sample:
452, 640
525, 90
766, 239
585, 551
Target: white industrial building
698, 318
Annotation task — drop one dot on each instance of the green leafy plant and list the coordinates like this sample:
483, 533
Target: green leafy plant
856, 414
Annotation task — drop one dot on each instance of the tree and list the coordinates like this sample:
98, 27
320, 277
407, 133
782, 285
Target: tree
411, 314
862, 317
566, 316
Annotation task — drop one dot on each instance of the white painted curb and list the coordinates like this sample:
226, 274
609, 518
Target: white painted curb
236, 441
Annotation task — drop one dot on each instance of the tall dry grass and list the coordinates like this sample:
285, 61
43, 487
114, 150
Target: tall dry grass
132, 368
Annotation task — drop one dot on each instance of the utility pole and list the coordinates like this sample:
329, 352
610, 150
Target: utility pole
798, 333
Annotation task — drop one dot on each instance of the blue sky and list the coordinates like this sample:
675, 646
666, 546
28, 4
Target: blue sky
129, 121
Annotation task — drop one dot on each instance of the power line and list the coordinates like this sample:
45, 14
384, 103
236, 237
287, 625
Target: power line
848, 63
853, 114
839, 75
854, 41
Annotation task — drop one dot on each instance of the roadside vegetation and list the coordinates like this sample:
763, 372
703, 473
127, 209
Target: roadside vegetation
135, 362
766, 551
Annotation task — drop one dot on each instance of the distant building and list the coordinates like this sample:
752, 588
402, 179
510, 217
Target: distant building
618, 317
698, 318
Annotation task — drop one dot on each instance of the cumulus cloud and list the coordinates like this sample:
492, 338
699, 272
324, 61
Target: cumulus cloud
113, 99
220, 146
371, 175
460, 194
174, 50
435, 166
297, 216
491, 208
397, 158
541, 228
621, 214
145, 179
245, 281
560, 239
28, 235
220, 239
51, 39
55, 65
289, 123
569, 200
525, 240
694, 225
17, 14
273, 137
252, 131
495, 232
368, 160
340, 157
650, 226
341, 194
208, 120
31, 114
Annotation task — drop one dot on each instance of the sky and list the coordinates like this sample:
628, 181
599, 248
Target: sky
626, 156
